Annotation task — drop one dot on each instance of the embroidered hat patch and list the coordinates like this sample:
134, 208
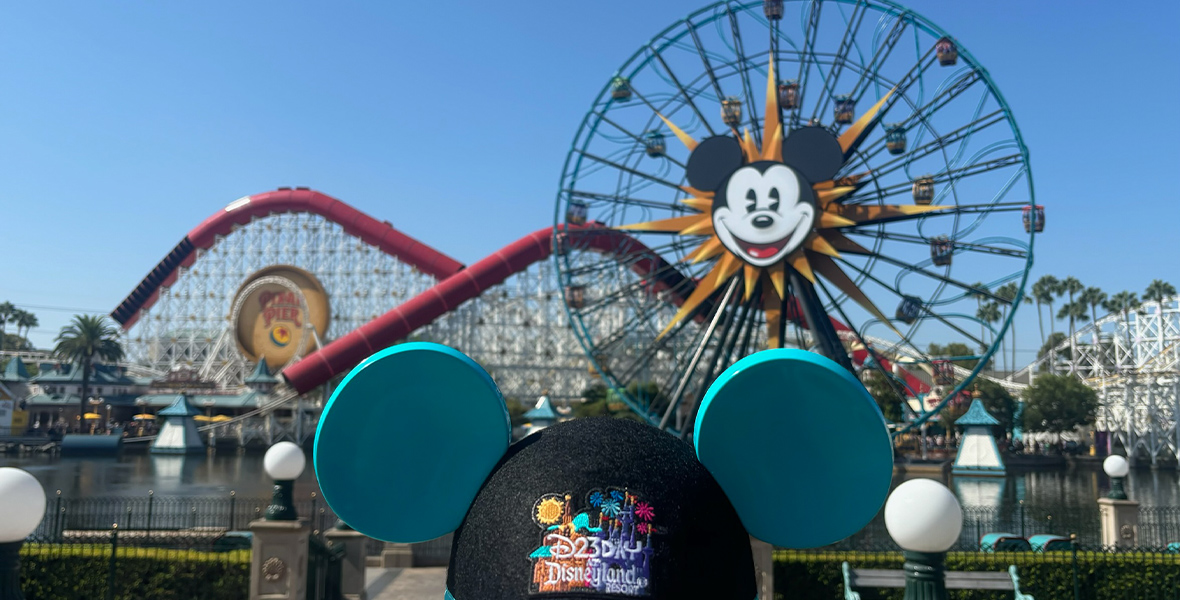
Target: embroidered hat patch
604, 545
599, 509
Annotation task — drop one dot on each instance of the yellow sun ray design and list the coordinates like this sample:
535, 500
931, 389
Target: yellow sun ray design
814, 255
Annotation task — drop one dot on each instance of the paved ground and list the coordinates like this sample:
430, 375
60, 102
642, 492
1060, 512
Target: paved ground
426, 583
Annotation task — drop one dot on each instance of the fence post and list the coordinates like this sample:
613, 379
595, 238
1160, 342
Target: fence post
232, 500
58, 517
1077, 588
279, 559
1021, 509
312, 514
151, 499
111, 571
192, 522
127, 521
352, 570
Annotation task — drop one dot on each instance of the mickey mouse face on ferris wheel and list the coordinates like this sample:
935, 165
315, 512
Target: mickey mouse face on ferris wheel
763, 211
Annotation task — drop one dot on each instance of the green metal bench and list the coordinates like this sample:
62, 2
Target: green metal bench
955, 580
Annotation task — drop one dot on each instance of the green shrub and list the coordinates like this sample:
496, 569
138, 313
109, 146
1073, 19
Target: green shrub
808, 575
75, 572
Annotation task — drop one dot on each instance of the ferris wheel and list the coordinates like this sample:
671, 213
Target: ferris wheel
840, 176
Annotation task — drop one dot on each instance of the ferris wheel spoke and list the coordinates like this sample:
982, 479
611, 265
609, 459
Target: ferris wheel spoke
683, 91
698, 352
809, 35
951, 176
742, 62
720, 359
818, 321
639, 140
880, 55
924, 308
654, 348
909, 268
905, 340
921, 114
939, 143
696, 40
626, 169
847, 43
675, 207
958, 245
948, 210
683, 288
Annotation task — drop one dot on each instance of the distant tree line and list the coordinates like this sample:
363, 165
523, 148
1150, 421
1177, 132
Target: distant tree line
22, 321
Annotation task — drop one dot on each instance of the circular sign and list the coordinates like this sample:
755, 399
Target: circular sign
275, 312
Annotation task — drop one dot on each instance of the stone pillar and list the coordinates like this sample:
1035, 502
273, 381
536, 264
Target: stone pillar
763, 567
1120, 522
352, 571
397, 556
278, 563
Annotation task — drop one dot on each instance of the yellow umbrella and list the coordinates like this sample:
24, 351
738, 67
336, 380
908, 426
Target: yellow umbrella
91, 416
222, 418
202, 418
144, 417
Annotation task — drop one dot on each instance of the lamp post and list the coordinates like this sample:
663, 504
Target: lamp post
1116, 468
284, 462
925, 519
94, 402
23, 500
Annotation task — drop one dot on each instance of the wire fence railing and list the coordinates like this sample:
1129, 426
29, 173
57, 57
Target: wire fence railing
74, 517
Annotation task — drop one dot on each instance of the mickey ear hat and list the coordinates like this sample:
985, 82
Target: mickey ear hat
414, 444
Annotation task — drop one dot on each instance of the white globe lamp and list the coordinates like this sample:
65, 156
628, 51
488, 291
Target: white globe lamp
1116, 468
284, 462
23, 502
925, 519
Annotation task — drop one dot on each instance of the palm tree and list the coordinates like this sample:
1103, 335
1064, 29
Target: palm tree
27, 320
989, 313
85, 339
979, 285
1095, 298
1075, 312
1157, 291
1043, 292
1070, 286
1123, 303
1008, 292
7, 310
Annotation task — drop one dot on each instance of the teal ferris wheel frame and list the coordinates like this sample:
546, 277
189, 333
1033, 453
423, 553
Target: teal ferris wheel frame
686, 99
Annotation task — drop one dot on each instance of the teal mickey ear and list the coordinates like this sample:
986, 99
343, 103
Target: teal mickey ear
407, 440
798, 445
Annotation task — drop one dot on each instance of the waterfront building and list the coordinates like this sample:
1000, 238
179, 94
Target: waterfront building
978, 454
541, 416
178, 433
54, 395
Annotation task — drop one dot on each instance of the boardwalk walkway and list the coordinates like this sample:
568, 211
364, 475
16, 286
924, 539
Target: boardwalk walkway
423, 583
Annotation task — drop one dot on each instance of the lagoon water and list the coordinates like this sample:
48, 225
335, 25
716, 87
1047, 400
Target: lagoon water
217, 474
199, 475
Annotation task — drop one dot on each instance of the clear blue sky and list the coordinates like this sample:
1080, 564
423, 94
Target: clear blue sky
123, 125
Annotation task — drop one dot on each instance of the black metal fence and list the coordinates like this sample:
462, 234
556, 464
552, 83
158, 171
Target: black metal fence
1158, 526
150, 512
